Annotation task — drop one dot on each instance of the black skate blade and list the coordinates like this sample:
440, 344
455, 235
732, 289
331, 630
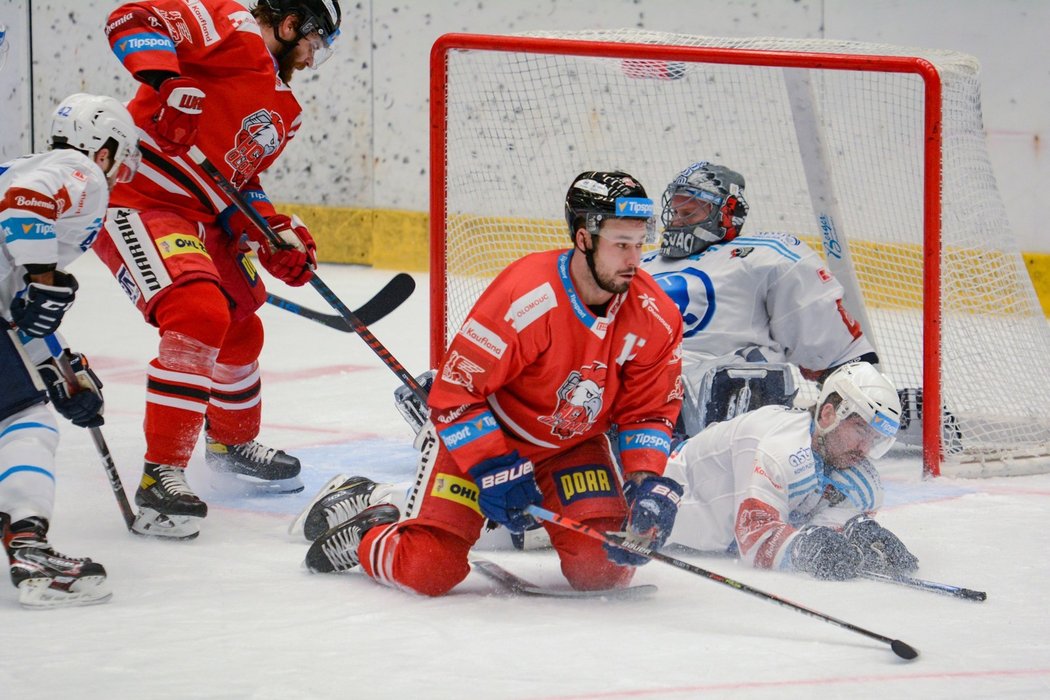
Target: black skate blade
515, 585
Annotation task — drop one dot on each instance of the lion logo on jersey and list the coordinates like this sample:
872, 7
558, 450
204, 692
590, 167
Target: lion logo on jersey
579, 402
261, 134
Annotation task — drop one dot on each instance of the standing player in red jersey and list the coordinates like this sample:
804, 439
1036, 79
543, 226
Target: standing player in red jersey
177, 246
562, 345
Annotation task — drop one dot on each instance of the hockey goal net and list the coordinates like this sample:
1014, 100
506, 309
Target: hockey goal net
873, 154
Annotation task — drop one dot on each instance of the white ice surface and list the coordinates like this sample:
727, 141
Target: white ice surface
234, 615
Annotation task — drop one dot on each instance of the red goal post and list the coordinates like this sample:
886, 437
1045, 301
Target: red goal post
843, 145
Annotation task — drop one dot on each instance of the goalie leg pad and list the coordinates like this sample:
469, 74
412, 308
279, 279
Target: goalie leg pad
732, 390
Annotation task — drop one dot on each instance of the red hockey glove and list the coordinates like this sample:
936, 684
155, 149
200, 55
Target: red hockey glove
175, 123
294, 262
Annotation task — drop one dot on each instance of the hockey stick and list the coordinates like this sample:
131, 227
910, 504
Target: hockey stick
315, 281
386, 300
100, 445
899, 648
516, 584
932, 586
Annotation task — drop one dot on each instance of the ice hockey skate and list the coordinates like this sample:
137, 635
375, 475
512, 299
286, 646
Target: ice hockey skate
336, 549
339, 500
47, 579
252, 469
167, 505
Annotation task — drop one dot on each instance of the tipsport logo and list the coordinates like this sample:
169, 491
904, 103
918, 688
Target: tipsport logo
634, 207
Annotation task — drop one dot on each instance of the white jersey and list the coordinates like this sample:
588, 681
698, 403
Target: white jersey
752, 481
51, 211
761, 298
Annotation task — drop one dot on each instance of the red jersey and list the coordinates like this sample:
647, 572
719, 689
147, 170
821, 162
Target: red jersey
249, 113
533, 369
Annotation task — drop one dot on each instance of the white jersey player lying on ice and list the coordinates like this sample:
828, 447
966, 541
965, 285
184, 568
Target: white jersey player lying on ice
795, 489
782, 488
751, 304
50, 212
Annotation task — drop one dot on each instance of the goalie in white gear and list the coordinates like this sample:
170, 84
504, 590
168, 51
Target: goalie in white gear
794, 489
751, 304
51, 210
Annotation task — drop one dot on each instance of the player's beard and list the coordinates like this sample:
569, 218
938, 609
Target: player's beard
607, 283
286, 66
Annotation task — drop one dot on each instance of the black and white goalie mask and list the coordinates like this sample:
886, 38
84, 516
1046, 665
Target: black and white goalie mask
705, 204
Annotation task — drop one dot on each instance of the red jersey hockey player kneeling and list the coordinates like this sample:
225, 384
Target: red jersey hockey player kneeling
562, 345
177, 247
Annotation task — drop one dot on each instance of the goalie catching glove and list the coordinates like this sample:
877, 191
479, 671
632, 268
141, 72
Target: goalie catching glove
652, 506
882, 551
506, 487
82, 405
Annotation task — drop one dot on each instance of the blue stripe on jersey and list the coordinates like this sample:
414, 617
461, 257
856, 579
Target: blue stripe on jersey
645, 439
578, 307
460, 434
797, 489
25, 426
852, 484
24, 228
26, 468
145, 41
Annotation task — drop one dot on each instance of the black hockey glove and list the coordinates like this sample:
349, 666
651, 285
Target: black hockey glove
81, 404
38, 312
882, 551
825, 553
652, 506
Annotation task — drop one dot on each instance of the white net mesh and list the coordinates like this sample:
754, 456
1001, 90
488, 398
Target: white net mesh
520, 126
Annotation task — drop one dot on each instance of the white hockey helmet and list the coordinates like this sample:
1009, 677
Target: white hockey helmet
87, 123
866, 392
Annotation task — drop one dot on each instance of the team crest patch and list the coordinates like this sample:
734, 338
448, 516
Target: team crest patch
579, 402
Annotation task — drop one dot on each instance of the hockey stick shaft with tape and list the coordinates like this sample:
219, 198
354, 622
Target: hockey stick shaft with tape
899, 648
316, 282
100, 445
932, 586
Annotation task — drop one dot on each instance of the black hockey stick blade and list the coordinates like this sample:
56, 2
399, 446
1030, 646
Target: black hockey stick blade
516, 584
385, 301
394, 294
